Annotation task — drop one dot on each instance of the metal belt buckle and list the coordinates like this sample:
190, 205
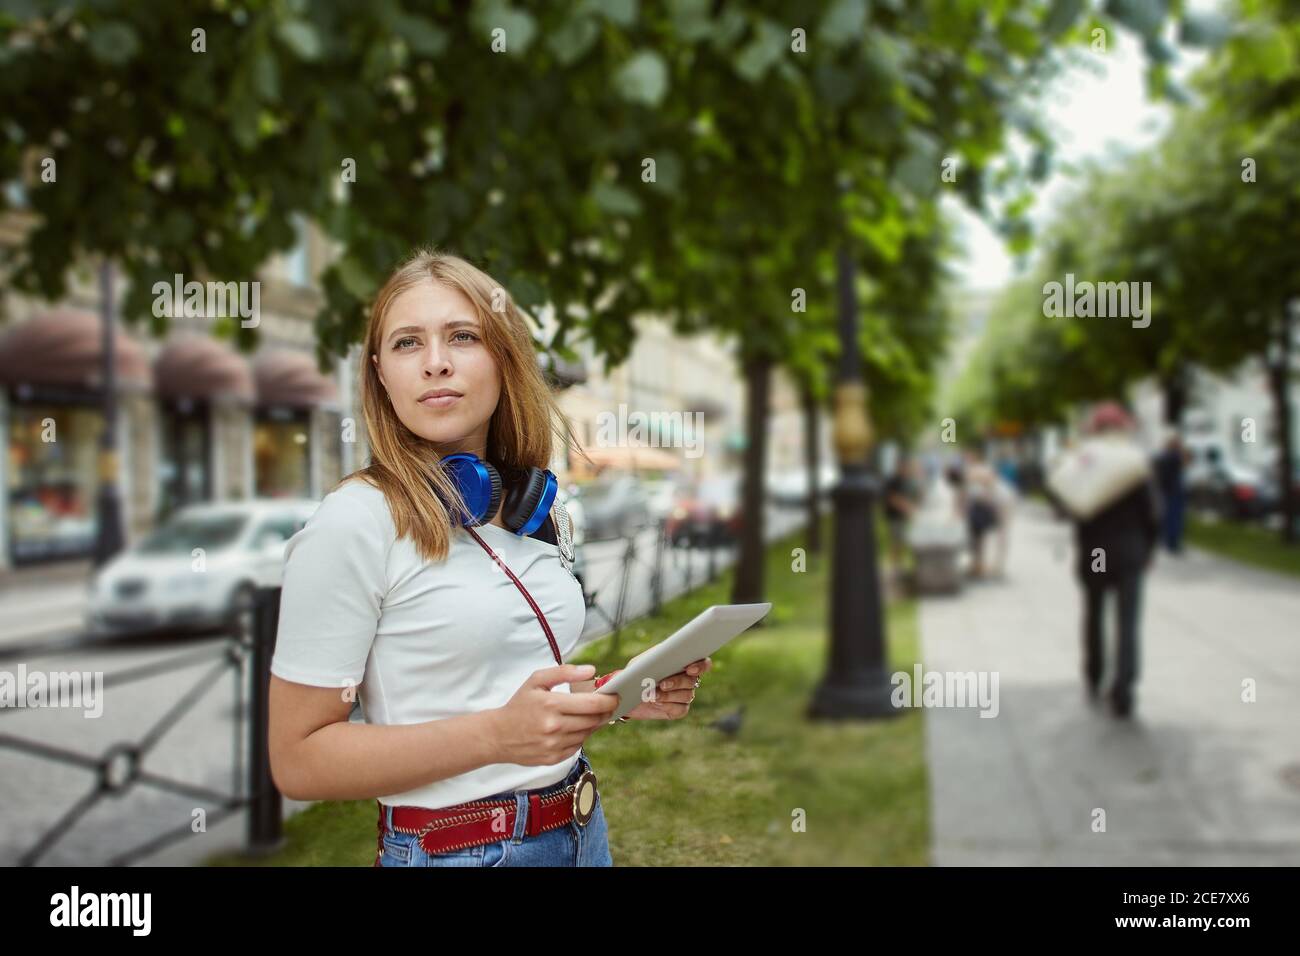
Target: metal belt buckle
584, 798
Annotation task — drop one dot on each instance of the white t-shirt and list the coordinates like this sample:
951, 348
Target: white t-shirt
423, 641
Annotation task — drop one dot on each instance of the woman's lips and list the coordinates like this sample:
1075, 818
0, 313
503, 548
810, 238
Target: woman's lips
441, 401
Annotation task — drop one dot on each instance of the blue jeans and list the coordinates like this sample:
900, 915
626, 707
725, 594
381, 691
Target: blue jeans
569, 845
1175, 508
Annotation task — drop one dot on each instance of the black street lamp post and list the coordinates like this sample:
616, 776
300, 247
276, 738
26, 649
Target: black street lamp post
108, 504
856, 684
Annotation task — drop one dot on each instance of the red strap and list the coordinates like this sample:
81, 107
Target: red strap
534, 814
555, 648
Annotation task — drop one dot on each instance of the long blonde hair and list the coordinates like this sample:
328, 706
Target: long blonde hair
403, 465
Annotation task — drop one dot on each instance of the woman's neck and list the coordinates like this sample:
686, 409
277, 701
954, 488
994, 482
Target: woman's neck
475, 443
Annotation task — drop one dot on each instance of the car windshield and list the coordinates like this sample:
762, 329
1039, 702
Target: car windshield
183, 534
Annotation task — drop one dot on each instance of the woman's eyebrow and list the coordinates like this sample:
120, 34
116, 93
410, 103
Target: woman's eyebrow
452, 324
403, 330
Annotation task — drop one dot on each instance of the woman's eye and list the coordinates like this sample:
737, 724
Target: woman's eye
472, 336
404, 342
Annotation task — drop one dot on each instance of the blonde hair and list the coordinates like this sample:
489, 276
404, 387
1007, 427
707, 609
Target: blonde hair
404, 466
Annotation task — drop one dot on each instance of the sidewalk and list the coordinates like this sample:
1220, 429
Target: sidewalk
42, 603
41, 575
1197, 778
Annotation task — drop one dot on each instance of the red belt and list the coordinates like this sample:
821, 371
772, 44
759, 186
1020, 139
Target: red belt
471, 823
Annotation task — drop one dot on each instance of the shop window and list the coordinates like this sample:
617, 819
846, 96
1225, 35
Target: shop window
282, 453
53, 453
185, 465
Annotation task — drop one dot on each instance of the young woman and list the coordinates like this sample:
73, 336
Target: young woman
434, 585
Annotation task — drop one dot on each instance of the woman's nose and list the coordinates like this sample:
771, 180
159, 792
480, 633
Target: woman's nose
435, 363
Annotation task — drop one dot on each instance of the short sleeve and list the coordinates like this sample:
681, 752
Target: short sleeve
335, 579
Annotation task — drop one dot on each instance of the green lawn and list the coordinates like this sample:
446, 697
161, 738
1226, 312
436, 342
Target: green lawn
1249, 544
681, 793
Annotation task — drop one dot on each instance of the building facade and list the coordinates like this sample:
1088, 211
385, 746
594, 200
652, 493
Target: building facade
199, 421
196, 420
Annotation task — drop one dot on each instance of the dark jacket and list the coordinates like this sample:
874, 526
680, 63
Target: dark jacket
1170, 473
1126, 531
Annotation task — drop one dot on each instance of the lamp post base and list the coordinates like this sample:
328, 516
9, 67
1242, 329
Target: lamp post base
856, 683
862, 696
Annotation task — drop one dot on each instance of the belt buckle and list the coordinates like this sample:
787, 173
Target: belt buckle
584, 797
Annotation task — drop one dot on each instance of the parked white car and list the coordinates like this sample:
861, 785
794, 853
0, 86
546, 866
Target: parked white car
198, 569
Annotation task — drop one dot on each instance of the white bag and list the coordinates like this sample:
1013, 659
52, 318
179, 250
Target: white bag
1096, 473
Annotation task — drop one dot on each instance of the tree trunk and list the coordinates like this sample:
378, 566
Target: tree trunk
1175, 394
748, 587
1279, 375
812, 461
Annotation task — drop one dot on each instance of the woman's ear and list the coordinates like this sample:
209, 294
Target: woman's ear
378, 370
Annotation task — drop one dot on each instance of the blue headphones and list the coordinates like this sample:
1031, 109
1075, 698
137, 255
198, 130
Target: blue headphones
526, 503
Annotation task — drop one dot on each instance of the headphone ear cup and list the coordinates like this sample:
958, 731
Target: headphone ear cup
523, 497
494, 501
468, 472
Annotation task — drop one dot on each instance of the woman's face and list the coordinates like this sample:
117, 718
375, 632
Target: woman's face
432, 341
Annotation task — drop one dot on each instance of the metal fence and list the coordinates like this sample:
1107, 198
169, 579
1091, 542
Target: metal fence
122, 767
244, 657
672, 570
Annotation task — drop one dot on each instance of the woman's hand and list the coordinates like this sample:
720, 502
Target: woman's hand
537, 727
673, 695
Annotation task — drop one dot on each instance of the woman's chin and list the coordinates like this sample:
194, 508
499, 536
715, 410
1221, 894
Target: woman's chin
445, 439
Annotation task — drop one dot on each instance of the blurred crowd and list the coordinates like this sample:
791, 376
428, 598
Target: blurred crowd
949, 515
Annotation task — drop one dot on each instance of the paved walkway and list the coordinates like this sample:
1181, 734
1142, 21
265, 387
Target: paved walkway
1197, 778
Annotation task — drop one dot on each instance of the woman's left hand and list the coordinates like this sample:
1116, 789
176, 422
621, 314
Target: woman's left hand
673, 695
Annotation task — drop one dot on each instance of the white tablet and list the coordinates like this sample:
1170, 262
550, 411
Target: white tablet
704, 635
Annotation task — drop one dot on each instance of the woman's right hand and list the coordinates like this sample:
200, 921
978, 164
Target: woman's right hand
537, 726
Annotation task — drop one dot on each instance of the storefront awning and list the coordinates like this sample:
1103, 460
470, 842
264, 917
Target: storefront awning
65, 347
292, 379
631, 458
195, 366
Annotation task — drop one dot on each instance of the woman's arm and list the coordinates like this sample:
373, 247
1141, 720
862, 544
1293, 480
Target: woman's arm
318, 754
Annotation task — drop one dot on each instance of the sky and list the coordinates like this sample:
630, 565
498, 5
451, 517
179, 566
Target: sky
1092, 110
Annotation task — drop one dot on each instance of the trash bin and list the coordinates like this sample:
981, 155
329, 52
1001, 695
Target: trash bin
936, 549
